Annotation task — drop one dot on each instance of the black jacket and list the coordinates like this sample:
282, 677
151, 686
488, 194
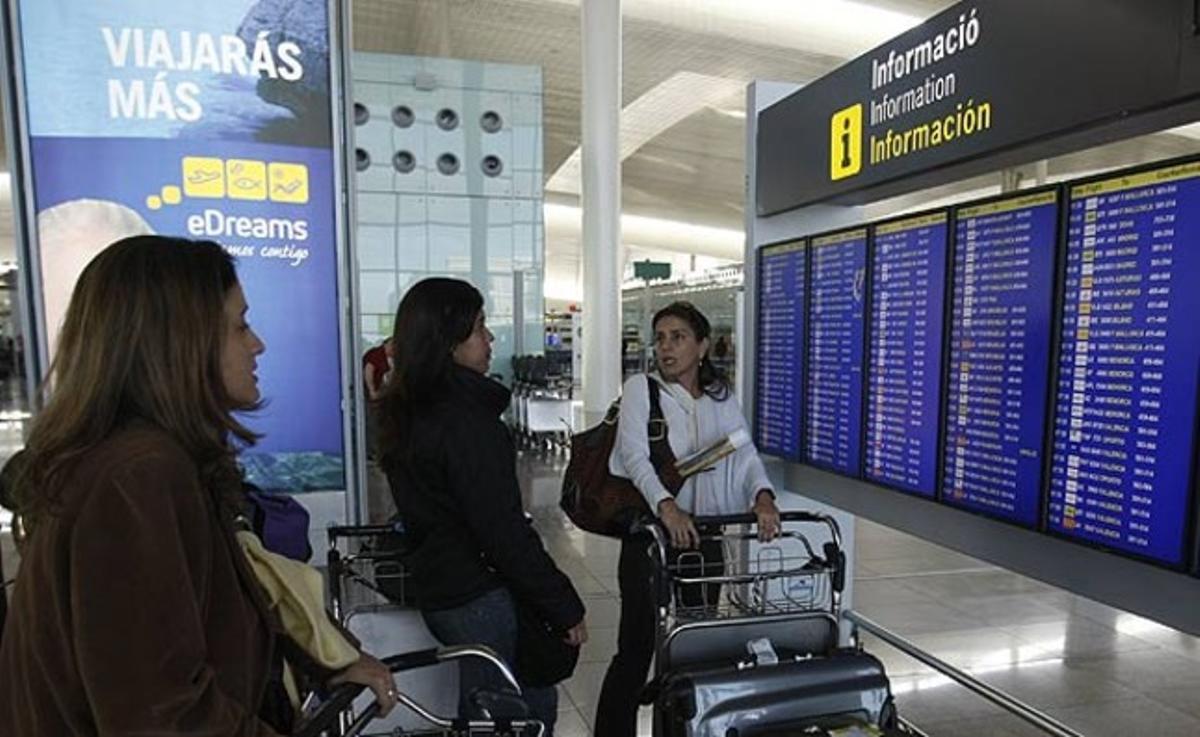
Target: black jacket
458, 497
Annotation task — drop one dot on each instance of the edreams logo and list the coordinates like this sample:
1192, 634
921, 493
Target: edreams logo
845, 142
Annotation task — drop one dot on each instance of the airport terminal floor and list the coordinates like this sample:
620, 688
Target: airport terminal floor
1101, 671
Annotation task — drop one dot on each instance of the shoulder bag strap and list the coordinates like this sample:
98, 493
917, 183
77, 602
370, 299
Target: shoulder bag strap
661, 455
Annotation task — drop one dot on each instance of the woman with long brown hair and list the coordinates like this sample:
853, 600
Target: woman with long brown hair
135, 611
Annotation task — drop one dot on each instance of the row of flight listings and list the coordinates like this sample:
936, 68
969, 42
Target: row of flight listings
1033, 357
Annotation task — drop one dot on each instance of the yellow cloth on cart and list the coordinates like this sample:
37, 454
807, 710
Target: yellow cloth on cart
294, 591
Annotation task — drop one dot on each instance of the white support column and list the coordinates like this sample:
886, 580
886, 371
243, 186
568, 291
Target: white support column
601, 200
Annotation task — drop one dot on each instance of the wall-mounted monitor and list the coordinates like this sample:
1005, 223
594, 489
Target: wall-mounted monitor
782, 269
833, 386
1001, 325
1125, 409
908, 290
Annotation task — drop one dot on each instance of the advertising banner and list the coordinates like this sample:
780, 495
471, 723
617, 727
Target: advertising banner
209, 120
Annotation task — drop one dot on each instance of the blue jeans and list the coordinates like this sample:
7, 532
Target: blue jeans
489, 620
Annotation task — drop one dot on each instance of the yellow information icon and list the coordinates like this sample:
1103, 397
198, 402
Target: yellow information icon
845, 142
289, 182
203, 177
246, 179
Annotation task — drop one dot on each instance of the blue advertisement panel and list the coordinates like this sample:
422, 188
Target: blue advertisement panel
834, 385
207, 120
1125, 422
908, 276
781, 304
1000, 356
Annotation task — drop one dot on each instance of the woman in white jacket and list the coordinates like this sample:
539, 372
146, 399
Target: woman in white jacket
699, 410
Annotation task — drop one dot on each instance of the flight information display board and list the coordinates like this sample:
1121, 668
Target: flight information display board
833, 388
1000, 335
1125, 409
781, 306
908, 275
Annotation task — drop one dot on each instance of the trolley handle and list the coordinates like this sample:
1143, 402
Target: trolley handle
834, 555
794, 515
413, 660
327, 715
346, 531
749, 518
344, 695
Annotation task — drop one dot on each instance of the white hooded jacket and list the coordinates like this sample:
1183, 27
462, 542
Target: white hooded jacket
693, 424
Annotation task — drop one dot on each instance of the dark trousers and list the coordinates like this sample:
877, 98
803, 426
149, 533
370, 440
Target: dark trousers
489, 620
616, 710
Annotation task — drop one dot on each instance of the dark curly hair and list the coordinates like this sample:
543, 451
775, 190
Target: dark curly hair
713, 380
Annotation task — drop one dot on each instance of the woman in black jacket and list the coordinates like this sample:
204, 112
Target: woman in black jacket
451, 465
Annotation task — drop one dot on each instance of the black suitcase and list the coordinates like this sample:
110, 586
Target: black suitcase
754, 700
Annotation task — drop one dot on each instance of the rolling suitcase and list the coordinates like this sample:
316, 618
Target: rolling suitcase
755, 700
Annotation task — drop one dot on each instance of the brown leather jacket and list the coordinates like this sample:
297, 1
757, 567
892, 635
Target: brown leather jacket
135, 612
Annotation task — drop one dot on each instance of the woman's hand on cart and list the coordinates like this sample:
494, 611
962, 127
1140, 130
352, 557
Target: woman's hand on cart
769, 525
342, 697
679, 525
370, 672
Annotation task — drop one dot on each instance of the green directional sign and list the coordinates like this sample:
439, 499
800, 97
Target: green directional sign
652, 269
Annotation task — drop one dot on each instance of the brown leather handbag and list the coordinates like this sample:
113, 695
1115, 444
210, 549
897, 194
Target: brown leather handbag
596, 500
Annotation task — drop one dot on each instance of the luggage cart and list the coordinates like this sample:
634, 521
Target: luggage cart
746, 635
336, 718
371, 595
542, 404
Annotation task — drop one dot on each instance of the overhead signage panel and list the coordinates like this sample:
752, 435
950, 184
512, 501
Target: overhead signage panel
980, 78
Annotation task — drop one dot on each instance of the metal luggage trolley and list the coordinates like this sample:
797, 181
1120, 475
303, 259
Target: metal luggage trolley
541, 413
371, 596
747, 635
785, 590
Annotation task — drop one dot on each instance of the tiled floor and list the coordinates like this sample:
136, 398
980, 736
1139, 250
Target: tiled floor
1102, 672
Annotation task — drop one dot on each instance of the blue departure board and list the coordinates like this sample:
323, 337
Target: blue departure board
1000, 335
781, 276
908, 291
1125, 409
833, 388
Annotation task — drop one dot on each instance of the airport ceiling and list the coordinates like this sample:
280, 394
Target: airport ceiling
686, 66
